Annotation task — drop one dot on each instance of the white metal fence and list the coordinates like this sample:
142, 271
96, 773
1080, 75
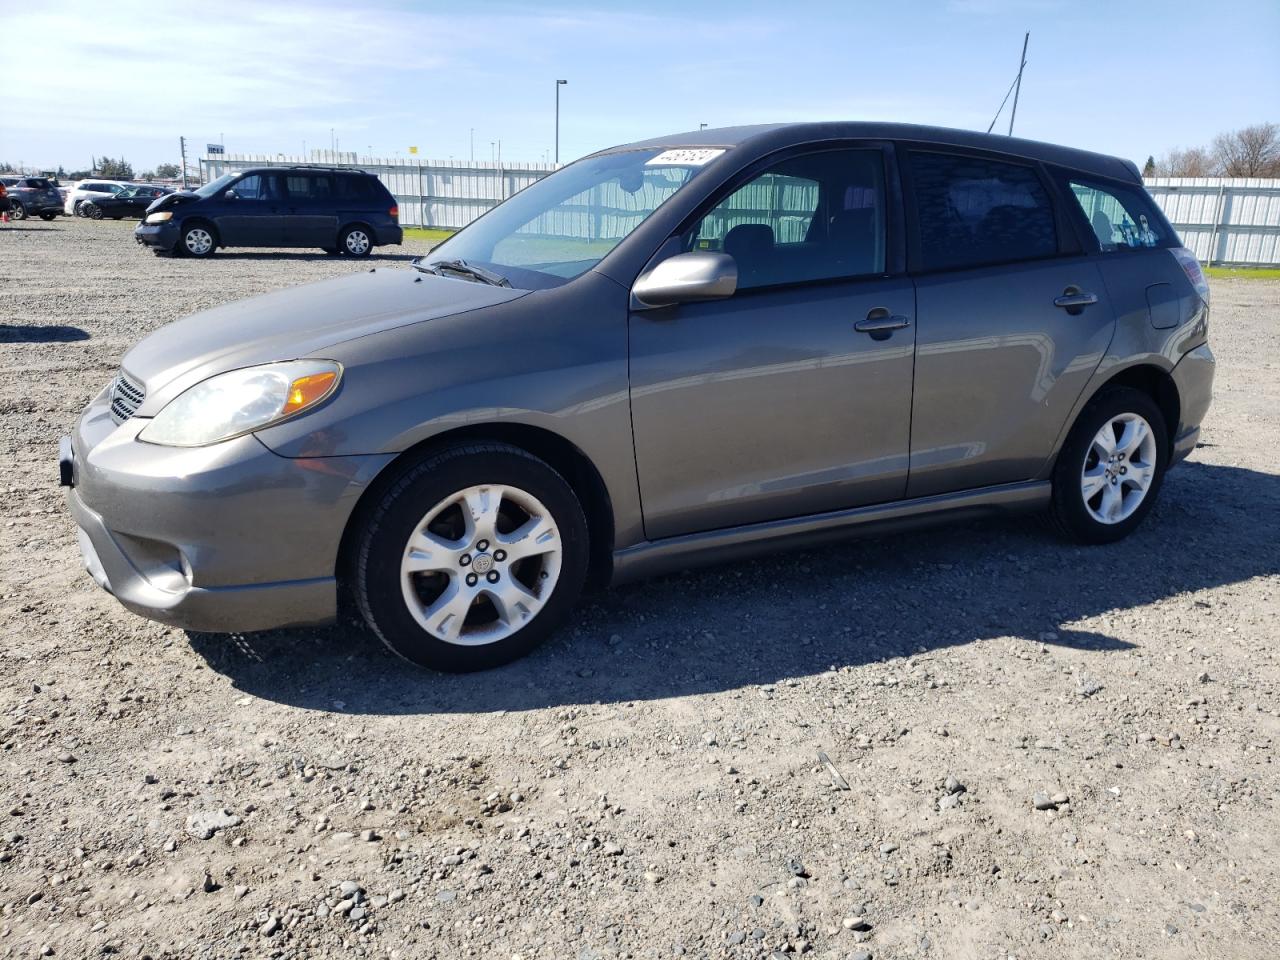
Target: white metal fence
430, 193
1224, 220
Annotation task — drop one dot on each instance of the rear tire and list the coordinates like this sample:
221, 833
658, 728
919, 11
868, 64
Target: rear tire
1110, 469
48, 216
91, 210
472, 557
356, 241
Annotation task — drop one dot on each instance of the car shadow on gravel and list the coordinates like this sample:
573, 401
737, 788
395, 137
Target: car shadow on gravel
797, 614
30, 333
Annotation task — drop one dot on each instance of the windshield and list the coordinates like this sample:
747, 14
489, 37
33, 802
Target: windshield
563, 225
216, 186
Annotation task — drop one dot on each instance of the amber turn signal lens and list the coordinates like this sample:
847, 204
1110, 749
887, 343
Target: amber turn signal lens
305, 391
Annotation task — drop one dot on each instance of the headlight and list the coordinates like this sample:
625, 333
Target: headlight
241, 401
160, 217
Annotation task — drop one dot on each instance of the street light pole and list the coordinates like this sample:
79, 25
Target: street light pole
473, 144
559, 84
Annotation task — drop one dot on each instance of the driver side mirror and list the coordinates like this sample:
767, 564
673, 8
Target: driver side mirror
688, 278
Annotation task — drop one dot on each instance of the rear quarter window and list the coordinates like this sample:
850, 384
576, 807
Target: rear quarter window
1122, 218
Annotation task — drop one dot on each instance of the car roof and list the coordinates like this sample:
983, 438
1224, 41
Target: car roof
766, 137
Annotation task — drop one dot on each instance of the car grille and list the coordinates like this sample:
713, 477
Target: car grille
126, 397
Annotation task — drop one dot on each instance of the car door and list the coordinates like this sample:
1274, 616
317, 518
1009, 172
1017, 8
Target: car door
1012, 319
248, 214
309, 217
773, 403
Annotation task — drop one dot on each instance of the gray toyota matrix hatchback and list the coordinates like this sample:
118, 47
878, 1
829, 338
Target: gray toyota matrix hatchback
680, 350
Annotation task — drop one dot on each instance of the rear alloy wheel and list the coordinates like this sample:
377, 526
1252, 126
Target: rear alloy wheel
355, 242
47, 216
17, 211
472, 558
1110, 469
91, 210
196, 241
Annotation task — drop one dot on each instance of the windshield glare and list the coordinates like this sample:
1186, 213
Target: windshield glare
216, 186
563, 225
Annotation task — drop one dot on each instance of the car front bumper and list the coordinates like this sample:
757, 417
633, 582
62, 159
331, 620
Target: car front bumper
227, 538
162, 236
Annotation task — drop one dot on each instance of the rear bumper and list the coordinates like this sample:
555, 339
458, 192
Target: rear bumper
162, 236
227, 538
393, 235
1193, 376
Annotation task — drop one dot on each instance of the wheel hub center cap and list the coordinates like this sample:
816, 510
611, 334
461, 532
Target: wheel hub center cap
482, 563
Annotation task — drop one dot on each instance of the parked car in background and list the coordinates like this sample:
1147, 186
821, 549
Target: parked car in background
31, 197
797, 332
85, 189
339, 210
130, 202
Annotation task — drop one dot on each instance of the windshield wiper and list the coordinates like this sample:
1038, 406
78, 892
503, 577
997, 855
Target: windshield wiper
440, 267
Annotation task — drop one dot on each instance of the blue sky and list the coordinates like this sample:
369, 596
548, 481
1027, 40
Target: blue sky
1123, 78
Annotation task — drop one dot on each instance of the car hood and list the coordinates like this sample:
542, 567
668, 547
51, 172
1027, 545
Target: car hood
293, 323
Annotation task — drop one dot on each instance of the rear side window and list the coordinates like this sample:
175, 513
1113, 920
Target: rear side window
308, 187
357, 188
39, 183
972, 211
1122, 218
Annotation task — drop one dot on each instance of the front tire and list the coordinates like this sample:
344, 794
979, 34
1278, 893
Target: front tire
17, 211
197, 240
1110, 469
472, 557
356, 241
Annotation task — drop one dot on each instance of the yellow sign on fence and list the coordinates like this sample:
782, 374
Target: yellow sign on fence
413, 149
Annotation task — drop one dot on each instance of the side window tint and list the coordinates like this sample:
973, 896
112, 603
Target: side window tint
815, 217
248, 188
974, 211
354, 188
1121, 218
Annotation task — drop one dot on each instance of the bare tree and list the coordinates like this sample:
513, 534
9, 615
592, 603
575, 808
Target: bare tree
1250, 152
1192, 162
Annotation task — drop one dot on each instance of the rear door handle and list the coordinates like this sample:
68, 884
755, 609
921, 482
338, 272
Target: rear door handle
881, 321
1075, 301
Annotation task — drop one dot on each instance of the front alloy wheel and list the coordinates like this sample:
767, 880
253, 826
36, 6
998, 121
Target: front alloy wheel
471, 558
17, 211
197, 241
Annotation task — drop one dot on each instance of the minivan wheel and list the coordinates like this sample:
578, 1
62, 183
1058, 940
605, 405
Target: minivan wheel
197, 241
1110, 469
17, 211
355, 242
472, 558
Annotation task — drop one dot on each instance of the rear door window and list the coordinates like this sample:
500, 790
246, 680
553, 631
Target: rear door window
1121, 218
971, 211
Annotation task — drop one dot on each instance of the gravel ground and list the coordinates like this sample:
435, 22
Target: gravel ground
1034, 750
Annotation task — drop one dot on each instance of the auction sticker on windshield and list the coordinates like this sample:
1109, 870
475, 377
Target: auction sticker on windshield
684, 158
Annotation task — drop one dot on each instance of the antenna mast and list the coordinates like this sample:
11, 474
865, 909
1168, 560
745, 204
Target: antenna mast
1018, 83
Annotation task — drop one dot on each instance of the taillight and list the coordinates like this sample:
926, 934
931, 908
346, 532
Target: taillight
1191, 267
395, 213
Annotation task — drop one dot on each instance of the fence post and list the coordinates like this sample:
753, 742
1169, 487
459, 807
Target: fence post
1219, 207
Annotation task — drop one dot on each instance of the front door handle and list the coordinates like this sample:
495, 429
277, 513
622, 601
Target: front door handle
1073, 300
880, 323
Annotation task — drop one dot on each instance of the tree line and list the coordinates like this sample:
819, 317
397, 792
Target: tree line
110, 169
1249, 152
